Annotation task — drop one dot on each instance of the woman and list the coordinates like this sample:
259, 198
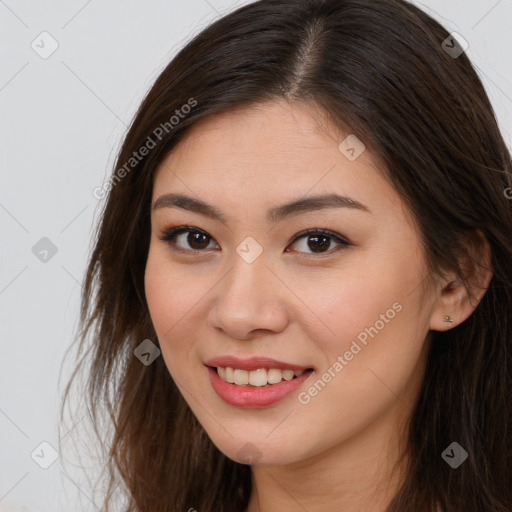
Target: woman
300, 291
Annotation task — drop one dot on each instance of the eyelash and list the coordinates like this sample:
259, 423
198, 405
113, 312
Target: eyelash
168, 235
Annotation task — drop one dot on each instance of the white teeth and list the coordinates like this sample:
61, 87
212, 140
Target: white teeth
259, 377
241, 377
230, 377
288, 374
274, 376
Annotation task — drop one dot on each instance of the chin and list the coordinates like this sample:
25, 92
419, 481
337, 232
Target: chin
253, 451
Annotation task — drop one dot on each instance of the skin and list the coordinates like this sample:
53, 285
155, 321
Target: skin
337, 451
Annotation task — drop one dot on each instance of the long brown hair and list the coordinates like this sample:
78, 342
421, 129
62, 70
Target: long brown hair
381, 69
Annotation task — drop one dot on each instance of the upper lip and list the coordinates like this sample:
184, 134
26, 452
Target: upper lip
253, 363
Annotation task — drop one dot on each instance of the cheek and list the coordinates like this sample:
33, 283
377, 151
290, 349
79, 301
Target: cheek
158, 287
171, 296
178, 299
171, 290
374, 320
342, 308
372, 333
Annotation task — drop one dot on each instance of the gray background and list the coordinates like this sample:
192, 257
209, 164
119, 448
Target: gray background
62, 120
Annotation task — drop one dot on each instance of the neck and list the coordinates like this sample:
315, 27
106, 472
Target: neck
361, 474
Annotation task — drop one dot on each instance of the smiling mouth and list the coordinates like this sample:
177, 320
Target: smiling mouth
257, 378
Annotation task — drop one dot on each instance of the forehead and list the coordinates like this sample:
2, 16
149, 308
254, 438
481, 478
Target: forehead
268, 152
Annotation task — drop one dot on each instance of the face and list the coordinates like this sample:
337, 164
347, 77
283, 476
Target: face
330, 287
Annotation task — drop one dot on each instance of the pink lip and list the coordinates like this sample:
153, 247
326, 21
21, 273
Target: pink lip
253, 397
252, 363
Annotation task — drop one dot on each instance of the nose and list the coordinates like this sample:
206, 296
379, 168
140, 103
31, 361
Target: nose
250, 298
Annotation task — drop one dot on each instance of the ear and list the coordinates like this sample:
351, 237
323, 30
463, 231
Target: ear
458, 296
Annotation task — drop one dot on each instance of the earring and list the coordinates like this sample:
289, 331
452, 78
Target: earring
448, 319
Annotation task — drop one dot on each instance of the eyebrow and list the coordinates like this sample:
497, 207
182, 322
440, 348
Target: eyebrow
274, 215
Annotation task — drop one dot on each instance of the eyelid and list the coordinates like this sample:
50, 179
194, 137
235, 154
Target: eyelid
339, 238
167, 234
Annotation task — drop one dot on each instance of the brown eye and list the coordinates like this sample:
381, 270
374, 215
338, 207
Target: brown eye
186, 238
197, 240
319, 241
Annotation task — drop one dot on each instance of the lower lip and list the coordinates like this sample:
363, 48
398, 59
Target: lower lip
254, 397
